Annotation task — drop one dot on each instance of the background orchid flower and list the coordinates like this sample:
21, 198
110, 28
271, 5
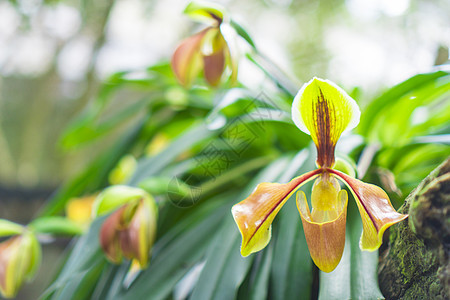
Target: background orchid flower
20, 257
129, 231
324, 111
207, 50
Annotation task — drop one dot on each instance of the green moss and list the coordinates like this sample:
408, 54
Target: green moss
412, 264
426, 288
410, 253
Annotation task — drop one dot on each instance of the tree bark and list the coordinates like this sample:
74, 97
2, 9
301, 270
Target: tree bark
415, 263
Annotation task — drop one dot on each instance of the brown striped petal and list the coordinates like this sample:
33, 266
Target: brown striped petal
254, 215
376, 210
325, 111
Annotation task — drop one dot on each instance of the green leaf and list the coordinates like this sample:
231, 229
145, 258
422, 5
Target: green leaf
291, 260
345, 165
414, 165
88, 128
420, 106
85, 256
36, 256
230, 97
56, 225
10, 228
94, 177
105, 282
161, 185
336, 285
274, 73
225, 268
148, 167
377, 108
81, 285
259, 277
364, 264
243, 33
438, 116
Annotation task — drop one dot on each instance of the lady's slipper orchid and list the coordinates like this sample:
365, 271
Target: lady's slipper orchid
324, 111
130, 230
207, 50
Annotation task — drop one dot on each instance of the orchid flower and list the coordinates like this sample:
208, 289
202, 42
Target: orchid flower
130, 230
20, 257
324, 111
209, 50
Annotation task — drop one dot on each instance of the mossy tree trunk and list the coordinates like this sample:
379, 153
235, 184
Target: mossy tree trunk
415, 263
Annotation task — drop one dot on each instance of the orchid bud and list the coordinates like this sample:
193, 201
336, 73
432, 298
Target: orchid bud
129, 232
20, 257
137, 239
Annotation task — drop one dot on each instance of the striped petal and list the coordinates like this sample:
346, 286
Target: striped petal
255, 214
324, 226
376, 211
325, 111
